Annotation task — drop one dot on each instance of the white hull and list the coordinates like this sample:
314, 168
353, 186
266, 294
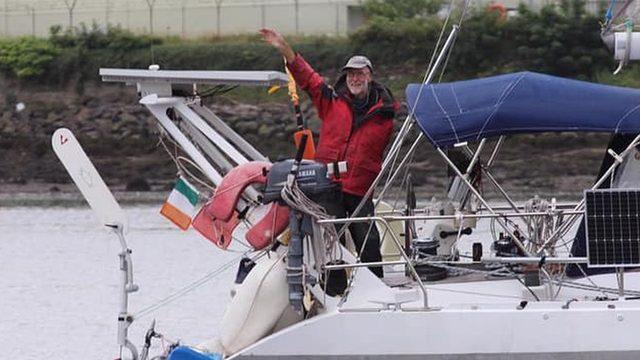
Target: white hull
466, 329
542, 330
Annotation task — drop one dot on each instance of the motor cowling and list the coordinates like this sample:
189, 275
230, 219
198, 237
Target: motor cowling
312, 179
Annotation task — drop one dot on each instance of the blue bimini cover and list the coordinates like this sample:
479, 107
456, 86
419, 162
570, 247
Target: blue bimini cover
523, 102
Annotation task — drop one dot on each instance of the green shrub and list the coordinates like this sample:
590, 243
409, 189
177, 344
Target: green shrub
399, 34
400, 10
26, 57
215, 56
561, 40
397, 42
113, 38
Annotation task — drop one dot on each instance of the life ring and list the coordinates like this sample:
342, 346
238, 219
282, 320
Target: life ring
218, 218
227, 194
215, 230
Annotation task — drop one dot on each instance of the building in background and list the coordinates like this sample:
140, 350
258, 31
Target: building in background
187, 18
194, 18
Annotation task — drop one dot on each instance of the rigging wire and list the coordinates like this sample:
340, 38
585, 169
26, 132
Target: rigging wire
601, 289
198, 283
429, 68
405, 131
446, 61
182, 170
187, 289
395, 148
440, 36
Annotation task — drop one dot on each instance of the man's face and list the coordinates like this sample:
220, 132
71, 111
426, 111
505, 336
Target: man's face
358, 81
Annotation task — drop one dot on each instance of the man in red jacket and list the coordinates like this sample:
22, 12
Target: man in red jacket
357, 122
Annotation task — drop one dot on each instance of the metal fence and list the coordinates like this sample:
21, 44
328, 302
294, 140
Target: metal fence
192, 18
187, 18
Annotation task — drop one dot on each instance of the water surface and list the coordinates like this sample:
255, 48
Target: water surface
60, 280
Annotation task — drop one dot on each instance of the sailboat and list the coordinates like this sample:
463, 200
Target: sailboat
451, 290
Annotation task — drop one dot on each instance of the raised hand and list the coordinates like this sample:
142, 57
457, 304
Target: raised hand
272, 37
275, 39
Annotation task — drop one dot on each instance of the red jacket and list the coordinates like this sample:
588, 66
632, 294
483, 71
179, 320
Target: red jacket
362, 145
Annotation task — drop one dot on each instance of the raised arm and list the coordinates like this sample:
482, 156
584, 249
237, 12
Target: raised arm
276, 40
303, 73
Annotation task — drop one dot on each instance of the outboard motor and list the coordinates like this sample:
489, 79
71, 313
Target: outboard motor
313, 180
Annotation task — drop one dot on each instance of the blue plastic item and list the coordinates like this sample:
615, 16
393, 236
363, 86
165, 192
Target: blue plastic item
187, 353
523, 102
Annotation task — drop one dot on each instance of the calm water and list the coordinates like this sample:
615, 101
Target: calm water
59, 281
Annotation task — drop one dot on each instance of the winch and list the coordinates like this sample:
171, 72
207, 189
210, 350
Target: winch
506, 247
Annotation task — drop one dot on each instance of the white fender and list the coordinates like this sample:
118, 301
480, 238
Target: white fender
257, 306
211, 346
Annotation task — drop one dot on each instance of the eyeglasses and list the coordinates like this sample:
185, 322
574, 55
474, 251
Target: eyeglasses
358, 73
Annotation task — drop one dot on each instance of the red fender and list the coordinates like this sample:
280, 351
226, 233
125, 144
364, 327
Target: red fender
217, 219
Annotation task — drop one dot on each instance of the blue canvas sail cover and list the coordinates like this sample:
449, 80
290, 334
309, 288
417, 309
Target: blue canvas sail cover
523, 102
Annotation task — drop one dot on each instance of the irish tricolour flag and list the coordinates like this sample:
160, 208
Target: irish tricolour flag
181, 204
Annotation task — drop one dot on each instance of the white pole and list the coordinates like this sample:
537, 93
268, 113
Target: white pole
159, 111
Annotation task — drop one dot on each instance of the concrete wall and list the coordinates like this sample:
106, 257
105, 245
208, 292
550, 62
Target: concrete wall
188, 18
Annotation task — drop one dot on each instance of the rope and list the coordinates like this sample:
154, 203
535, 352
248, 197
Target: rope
297, 200
182, 170
187, 289
539, 227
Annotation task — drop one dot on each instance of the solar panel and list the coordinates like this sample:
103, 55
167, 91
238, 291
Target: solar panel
613, 227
